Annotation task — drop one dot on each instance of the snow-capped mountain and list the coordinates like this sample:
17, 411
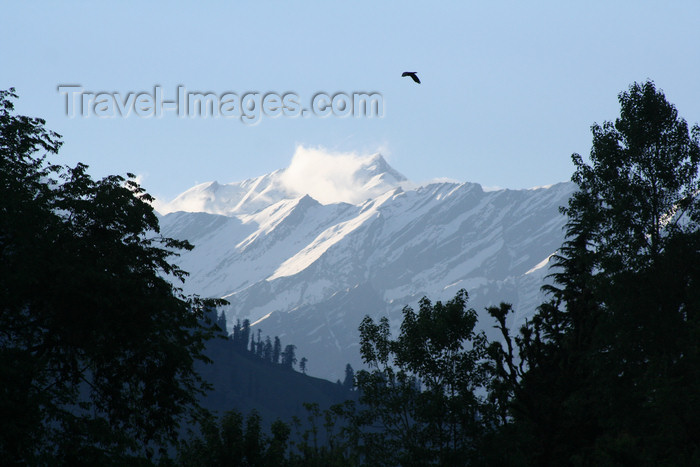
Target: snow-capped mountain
346, 178
306, 252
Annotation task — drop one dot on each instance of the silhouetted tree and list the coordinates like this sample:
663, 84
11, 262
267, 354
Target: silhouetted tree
440, 423
221, 322
288, 356
259, 345
253, 440
236, 334
276, 453
613, 359
96, 345
228, 443
302, 365
245, 333
276, 350
349, 381
267, 350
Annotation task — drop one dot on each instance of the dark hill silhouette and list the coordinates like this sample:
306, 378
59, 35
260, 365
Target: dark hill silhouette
244, 382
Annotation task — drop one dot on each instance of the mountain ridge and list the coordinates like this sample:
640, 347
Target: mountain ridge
371, 175
310, 271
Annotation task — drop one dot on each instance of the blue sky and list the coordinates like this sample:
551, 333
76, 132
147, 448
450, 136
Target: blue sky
509, 89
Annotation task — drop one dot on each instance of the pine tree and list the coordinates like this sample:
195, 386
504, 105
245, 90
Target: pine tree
349, 381
236, 335
267, 350
245, 334
276, 350
259, 345
288, 356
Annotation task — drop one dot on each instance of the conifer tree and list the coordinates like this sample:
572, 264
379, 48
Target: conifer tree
288, 356
245, 334
276, 350
236, 335
267, 350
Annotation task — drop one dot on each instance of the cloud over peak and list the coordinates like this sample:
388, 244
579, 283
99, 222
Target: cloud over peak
328, 177
332, 177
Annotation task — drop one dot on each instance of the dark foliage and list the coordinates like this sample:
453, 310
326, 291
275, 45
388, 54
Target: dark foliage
607, 372
244, 382
419, 399
612, 361
96, 346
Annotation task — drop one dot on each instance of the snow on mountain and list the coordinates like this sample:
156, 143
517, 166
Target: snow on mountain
308, 269
328, 178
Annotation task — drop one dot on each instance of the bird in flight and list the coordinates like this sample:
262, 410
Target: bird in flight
412, 74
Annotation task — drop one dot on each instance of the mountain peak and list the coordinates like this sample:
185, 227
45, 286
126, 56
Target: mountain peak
324, 176
339, 177
303, 259
378, 165
307, 200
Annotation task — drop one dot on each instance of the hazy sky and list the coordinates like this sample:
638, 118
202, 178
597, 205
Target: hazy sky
509, 89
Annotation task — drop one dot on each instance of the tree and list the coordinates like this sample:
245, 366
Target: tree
288, 356
302, 365
276, 350
253, 439
642, 186
613, 357
267, 350
236, 334
96, 345
245, 334
422, 387
326, 438
221, 322
259, 345
227, 442
349, 381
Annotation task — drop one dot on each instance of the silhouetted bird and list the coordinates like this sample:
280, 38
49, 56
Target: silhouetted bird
412, 74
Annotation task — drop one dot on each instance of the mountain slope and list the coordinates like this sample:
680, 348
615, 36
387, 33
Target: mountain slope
309, 272
244, 382
345, 178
